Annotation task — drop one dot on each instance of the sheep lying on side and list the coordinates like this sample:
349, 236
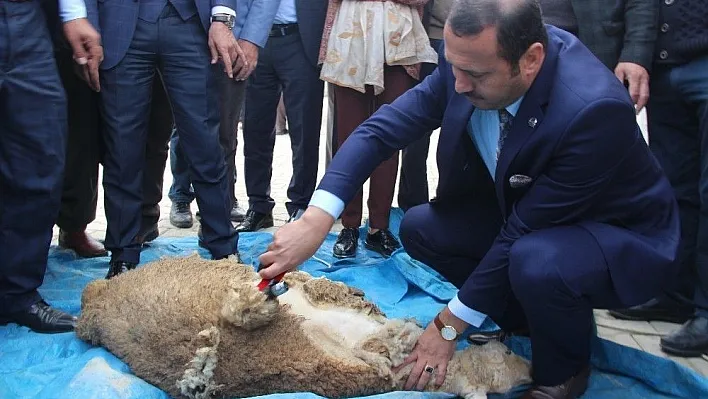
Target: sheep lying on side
200, 329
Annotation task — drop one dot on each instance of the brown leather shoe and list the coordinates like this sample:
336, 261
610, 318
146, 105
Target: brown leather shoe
84, 245
570, 389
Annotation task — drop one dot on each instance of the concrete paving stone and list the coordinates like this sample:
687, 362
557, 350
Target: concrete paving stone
625, 339
632, 327
664, 328
651, 345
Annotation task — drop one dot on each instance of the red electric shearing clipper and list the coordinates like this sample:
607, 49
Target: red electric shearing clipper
273, 287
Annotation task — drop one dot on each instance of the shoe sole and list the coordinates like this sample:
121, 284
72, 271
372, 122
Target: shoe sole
344, 256
375, 249
682, 352
667, 319
185, 225
264, 225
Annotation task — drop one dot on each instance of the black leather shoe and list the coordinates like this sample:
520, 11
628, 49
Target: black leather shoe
296, 215
147, 234
483, 337
42, 318
655, 310
117, 267
691, 340
237, 213
181, 215
571, 389
382, 242
346, 244
255, 221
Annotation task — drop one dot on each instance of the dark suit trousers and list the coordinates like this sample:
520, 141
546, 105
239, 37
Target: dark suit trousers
156, 149
32, 151
282, 63
413, 182
178, 50
557, 276
353, 108
80, 190
678, 136
231, 94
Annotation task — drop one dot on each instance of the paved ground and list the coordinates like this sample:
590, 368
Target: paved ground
640, 335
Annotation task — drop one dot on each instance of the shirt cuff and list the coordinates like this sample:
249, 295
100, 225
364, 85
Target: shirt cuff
70, 10
222, 10
328, 202
468, 315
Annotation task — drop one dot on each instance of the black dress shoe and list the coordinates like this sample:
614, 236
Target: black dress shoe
147, 234
346, 244
382, 242
42, 318
237, 213
117, 267
255, 221
691, 340
655, 310
296, 215
181, 215
483, 337
571, 389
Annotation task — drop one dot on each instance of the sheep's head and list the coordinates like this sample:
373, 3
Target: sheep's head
503, 368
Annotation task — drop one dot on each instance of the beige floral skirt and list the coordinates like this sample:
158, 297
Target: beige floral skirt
366, 35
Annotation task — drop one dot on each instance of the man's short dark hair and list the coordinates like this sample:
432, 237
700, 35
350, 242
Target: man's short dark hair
519, 24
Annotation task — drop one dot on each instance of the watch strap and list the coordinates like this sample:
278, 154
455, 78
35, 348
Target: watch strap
438, 323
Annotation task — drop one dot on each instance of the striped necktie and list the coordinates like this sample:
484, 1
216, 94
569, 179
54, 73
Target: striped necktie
505, 119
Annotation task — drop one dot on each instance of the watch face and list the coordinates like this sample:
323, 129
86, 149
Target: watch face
448, 333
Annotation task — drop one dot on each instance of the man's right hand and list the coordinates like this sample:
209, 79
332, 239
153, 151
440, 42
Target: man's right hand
296, 242
86, 45
250, 52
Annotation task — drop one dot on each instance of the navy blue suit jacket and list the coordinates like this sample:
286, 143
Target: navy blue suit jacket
588, 160
117, 20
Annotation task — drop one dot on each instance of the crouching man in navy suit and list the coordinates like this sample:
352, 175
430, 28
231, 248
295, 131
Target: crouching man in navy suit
180, 41
549, 203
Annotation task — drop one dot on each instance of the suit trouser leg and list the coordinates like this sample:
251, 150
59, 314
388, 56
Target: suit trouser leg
126, 97
32, 151
191, 84
80, 187
158, 135
231, 94
262, 96
553, 280
678, 123
303, 92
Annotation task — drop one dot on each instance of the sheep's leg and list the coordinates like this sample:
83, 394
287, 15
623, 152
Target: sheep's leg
246, 307
198, 379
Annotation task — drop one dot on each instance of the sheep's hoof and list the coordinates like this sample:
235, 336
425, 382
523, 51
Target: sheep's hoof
246, 307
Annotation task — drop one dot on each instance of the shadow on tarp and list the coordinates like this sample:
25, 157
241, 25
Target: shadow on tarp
61, 366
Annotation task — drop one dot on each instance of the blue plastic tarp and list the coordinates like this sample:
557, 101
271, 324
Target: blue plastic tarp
62, 366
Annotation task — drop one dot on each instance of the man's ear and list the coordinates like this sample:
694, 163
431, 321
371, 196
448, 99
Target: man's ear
532, 60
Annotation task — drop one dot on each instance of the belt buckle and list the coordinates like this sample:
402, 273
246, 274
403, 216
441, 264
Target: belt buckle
283, 30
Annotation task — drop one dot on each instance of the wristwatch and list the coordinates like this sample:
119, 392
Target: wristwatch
226, 19
448, 333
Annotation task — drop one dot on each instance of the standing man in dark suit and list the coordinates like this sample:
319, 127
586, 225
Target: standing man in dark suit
531, 223
253, 23
32, 143
289, 60
180, 41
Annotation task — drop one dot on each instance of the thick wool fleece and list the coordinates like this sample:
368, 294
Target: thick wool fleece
200, 329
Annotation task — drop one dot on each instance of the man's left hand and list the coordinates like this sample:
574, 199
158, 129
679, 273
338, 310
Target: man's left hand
430, 350
222, 44
86, 45
638, 79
